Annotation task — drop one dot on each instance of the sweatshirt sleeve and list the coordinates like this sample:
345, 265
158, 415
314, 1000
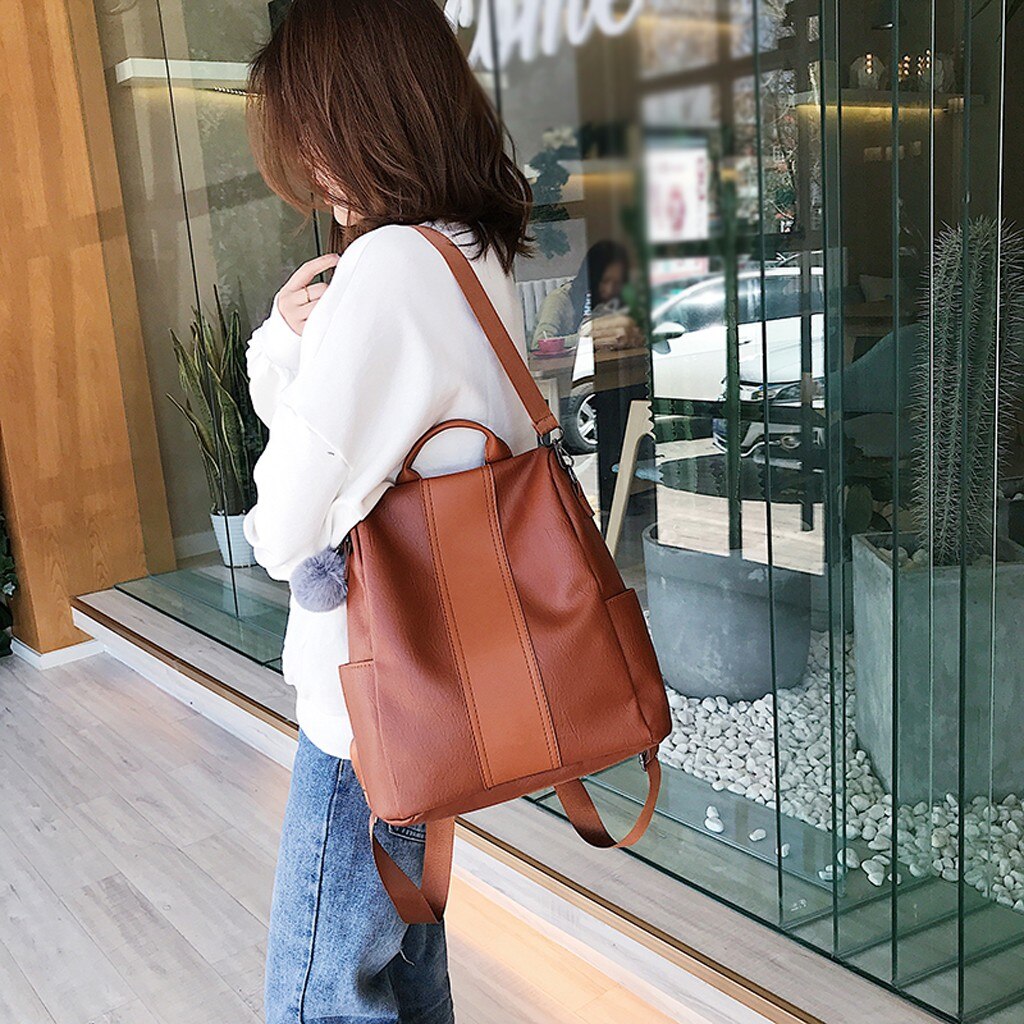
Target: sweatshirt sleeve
298, 479
554, 319
272, 360
367, 388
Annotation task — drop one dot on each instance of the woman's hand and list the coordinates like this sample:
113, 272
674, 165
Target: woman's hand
616, 331
299, 296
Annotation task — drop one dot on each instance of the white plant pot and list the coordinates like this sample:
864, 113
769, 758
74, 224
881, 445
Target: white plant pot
238, 552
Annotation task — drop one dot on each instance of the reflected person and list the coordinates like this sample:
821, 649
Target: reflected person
596, 290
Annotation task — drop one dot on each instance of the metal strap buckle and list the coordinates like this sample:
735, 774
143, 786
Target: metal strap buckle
554, 437
554, 440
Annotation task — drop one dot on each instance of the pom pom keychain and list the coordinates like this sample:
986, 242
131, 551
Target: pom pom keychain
318, 583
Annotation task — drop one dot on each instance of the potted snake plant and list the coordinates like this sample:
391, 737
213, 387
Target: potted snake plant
228, 433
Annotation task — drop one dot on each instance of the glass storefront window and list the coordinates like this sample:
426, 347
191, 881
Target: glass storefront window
777, 177
773, 305
210, 247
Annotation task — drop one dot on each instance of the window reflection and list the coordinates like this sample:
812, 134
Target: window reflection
770, 430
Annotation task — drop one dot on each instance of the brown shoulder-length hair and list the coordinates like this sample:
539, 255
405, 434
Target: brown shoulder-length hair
371, 104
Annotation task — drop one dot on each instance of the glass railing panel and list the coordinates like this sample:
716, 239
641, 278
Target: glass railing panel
925, 713
862, 467
787, 408
990, 820
726, 864
159, 265
708, 564
228, 209
837, 566
246, 620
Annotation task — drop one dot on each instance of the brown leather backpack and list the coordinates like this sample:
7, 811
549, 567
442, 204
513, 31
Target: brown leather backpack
495, 650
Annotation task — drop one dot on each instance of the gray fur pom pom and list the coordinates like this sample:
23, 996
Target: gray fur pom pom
318, 584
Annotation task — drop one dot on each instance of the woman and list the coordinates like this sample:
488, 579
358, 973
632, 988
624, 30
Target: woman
596, 287
370, 107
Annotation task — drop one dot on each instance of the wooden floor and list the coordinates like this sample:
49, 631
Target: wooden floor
137, 846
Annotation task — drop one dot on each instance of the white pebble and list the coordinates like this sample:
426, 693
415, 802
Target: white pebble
731, 747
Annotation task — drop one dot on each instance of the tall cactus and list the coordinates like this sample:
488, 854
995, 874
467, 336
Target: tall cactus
974, 369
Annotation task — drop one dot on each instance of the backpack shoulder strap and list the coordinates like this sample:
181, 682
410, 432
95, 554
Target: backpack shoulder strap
544, 421
423, 903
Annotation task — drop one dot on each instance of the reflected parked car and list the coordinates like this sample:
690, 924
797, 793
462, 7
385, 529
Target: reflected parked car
784, 427
782, 389
688, 344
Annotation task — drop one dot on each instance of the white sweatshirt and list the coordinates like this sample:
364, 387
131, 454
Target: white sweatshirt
391, 349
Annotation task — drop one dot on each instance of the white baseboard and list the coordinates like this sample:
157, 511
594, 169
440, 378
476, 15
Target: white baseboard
191, 545
243, 724
51, 659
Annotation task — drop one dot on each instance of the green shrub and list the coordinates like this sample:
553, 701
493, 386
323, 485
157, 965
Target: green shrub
8, 585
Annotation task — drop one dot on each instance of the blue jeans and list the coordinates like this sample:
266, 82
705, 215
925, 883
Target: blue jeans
338, 953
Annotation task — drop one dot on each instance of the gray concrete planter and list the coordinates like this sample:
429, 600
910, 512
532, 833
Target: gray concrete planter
710, 623
929, 673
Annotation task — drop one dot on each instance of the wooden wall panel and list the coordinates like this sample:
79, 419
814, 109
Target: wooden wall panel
67, 459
